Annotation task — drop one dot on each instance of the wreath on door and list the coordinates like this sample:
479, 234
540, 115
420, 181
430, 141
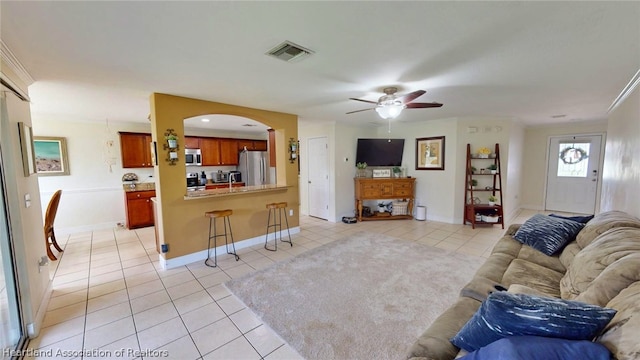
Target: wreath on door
572, 155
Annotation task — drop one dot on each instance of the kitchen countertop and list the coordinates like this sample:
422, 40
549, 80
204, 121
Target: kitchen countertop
139, 187
200, 194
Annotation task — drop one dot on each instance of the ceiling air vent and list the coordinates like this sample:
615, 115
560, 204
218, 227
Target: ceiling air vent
289, 51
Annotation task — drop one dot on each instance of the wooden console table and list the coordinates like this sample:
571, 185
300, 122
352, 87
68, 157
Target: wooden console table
384, 188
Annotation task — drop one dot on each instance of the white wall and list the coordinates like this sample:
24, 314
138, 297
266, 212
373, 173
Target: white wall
515, 167
92, 195
621, 171
346, 145
434, 188
535, 157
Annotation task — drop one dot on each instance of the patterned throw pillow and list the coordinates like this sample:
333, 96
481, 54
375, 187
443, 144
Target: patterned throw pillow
547, 234
581, 219
505, 314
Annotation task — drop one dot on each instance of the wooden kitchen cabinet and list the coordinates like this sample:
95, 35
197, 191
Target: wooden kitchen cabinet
217, 151
228, 152
254, 145
210, 148
139, 208
222, 185
384, 188
135, 150
191, 142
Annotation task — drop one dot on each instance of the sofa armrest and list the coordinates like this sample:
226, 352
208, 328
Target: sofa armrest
434, 343
512, 229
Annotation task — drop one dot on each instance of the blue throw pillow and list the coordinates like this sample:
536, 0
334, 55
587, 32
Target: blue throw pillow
539, 348
547, 234
505, 314
580, 219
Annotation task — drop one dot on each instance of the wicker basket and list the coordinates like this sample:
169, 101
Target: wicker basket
399, 208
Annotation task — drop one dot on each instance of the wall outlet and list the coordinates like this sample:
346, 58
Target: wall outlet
290, 212
164, 248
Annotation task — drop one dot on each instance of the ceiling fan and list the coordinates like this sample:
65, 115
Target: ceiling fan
390, 105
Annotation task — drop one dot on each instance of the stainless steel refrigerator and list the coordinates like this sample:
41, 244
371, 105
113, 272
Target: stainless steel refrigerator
254, 166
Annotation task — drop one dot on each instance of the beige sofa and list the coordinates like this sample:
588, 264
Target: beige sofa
601, 267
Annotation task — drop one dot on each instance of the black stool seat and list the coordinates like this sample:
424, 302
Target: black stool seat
213, 216
279, 210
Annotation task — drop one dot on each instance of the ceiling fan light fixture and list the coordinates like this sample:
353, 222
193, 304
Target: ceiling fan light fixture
390, 111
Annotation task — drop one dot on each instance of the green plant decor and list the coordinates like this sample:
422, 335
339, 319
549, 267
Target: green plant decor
474, 182
361, 165
492, 198
492, 167
396, 170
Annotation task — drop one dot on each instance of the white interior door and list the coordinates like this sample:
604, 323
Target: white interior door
573, 174
318, 164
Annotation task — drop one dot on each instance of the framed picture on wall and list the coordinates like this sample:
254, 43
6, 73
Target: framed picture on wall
430, 153
51, 155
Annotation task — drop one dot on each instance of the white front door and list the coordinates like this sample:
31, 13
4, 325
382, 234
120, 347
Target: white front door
318, 164
573, 174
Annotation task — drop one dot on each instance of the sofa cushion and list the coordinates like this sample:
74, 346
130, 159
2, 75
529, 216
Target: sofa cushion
621, 334
539, 348
522, 272
547, 234
568, 253
603, 268
603, 222
505, 314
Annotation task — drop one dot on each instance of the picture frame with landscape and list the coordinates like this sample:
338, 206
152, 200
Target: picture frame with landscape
430, 153
51, 155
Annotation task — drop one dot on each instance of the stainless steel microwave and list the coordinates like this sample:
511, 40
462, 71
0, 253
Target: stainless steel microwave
193, 157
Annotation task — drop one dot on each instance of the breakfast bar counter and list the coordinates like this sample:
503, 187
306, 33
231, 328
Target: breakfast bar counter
205, 194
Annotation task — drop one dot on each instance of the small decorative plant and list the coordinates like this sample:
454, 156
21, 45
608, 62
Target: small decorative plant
484, 151
473, 169
493, 168
171, 137
361, 165
474, 182
492, 199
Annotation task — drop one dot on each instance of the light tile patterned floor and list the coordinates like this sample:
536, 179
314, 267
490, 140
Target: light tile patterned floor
111, 298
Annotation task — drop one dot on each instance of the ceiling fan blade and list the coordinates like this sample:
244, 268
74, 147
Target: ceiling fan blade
423, 105
367, 101
407, 98
351, 112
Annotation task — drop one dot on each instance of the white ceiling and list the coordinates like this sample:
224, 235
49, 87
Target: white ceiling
528, 61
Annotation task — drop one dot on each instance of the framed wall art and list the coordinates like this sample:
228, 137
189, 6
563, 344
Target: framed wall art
430, 153
51, 155
26, 146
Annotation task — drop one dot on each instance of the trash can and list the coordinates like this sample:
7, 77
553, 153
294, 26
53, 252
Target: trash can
421, 213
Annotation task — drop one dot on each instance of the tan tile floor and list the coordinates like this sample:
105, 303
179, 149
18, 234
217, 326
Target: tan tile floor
111, 298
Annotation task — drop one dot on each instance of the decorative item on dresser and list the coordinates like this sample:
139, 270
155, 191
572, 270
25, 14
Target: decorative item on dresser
384, 188
476, 212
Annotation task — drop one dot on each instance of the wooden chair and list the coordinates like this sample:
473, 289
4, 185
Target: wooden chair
49, 218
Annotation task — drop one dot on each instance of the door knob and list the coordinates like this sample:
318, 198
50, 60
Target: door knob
309, 181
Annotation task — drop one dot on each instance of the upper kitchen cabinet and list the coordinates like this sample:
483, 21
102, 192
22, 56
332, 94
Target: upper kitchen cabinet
256, 145
218, 151
210, 148
191, 142
228, 152
135, 150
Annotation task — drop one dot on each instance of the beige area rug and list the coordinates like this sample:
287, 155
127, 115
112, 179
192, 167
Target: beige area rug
367, 296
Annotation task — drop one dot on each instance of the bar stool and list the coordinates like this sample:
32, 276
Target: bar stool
278, 209
213, 216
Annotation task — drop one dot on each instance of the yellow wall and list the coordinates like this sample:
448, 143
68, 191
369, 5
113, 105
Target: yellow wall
181, 223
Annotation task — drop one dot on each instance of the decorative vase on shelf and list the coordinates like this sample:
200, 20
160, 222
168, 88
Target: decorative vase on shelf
493, 172
492, 203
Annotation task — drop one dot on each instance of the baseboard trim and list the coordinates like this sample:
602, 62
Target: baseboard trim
33, 329
85, 228
168, 264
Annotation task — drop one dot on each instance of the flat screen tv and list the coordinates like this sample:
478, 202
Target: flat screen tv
380, 152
